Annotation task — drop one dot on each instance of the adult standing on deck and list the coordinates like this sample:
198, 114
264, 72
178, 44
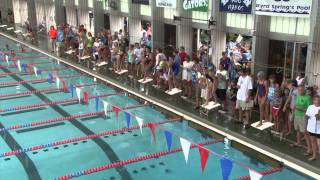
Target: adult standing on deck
243, 97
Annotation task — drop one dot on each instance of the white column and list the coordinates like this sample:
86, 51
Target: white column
218, 33
134, 23
83, 13
157, 25
16, 7
313, 56
116, 23
71, 12
184, 28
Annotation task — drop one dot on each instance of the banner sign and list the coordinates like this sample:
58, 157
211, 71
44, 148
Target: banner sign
145, 2
196, 5
236, 6
166, 3
289, 8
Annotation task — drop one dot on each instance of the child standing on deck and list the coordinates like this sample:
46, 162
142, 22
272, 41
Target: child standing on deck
276, 107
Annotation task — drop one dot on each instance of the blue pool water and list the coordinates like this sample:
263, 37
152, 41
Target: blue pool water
53, 162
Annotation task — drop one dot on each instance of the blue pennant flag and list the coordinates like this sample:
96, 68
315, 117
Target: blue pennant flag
168, 136
39, 71
226, 167
24, 67
50, 79
97, 103
71, 90
128, 118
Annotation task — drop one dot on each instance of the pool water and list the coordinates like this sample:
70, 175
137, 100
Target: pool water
52, 162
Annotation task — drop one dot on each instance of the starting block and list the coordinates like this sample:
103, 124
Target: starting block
10, 28
205, 109
102, 64
122, 71
174, 91
3, 26
265, 125
85, 57
70, 51
145, 81
25, 35
18, 32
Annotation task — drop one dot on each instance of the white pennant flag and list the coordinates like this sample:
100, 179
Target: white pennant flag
105, 107
185, 144
78, 90
58, 82
19, 65
35, 70
7, 59
140, 123
254, 175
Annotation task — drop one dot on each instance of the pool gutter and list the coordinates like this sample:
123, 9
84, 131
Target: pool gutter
287, 160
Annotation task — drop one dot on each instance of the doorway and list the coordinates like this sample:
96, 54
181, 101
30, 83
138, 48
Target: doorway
170, 35
287, 59
106, 21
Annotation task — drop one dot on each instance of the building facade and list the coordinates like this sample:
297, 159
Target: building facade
282, 43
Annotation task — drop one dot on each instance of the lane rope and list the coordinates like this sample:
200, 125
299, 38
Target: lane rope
56, 143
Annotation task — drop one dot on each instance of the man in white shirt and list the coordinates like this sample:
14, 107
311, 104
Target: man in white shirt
243, 96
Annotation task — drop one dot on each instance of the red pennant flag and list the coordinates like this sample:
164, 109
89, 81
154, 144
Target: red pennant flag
86, 97
204, 155
116, 109
152, 127
30, 69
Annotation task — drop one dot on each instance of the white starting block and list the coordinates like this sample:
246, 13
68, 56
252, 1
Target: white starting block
145, 81
174, 91
25, 35
3, 26
10, 28
122, 71
18, 32
102, 64
85, 57
211, 105
265, 125
110, 69
70, 51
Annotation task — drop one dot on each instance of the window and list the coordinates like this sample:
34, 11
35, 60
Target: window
169, 13
90, 3
202, 16
76, 2
290, 25
145, 10
240, 20
124, 6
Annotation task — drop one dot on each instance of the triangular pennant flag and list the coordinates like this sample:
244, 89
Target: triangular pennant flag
116, 109
14, 59
19, 65
50, 79
71, 88
35, 70
152, 127
65, 85
168, 136
254, 175
185, 145
140, 123
58, 62
204, 155
97, 99
226, 167
58, 82
86, 97
105, 107
128, 119
24, 67
7, 59
39, 71
78, 91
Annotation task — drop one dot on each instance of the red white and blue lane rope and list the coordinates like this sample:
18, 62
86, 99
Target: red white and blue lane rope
117, 131
130, 161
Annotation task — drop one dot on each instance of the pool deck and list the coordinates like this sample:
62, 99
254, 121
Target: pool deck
218, 122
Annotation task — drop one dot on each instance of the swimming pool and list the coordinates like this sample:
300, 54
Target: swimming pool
58, 136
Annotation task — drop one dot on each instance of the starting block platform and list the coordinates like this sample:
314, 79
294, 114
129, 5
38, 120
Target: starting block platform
145, 81
205, 109
18, 32
174, 91
10, 28
3, 26
70, 51
85, 57
102, 64
122, 71
265, 125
